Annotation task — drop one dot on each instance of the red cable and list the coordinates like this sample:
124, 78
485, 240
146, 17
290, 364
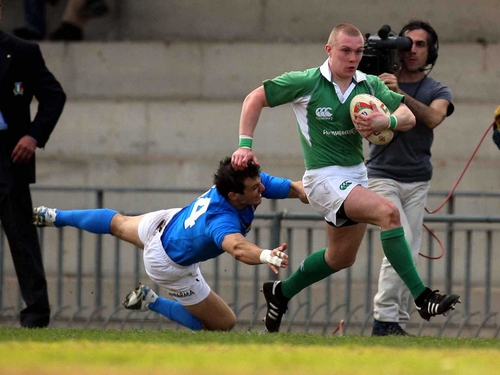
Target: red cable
438, 241
451, 193
463, 172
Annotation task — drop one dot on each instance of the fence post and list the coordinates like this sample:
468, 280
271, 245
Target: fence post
487, 276
98, 256
449, 248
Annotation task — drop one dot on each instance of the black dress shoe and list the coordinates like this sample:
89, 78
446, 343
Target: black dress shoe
30, 319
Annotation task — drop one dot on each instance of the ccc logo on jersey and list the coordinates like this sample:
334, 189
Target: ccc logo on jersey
324, 113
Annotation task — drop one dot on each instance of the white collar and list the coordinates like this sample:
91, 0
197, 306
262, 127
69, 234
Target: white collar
327, 73
357, 78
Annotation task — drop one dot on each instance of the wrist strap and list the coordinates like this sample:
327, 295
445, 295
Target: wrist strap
245, 142
393, 122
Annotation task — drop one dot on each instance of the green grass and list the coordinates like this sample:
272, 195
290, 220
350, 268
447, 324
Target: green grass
119, 352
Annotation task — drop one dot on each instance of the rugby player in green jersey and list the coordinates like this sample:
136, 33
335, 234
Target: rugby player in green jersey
335, 179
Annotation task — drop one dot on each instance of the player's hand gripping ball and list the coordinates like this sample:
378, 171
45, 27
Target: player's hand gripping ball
361, 104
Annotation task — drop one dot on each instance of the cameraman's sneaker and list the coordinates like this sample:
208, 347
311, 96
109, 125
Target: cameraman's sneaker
437, 304
388, 329
275, 305
140, 298
44, 216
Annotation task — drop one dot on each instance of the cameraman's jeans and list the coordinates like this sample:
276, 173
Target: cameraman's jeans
392, 298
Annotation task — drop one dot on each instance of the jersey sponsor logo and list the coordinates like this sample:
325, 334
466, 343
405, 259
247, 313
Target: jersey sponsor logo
344, 185
324, 113
339, 132
182, 294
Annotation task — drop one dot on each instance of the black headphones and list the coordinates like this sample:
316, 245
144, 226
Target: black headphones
432, 40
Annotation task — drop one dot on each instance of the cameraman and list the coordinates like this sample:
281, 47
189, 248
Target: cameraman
401, 170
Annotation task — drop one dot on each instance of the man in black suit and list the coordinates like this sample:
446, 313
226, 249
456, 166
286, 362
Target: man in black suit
23, 75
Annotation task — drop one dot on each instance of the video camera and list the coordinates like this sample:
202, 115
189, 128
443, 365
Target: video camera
381, 52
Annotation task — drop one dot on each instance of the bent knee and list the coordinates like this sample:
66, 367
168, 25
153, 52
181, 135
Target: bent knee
226, 324
389, 214
343, 263
230, 322
338, 260
117, 225
229, 325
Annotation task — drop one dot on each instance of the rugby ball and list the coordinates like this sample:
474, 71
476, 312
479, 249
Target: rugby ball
361, 104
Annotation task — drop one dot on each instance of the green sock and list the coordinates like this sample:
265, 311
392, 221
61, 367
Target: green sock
398, 252
311, 270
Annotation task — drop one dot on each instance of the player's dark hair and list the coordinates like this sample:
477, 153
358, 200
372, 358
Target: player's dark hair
227, 179
432, 38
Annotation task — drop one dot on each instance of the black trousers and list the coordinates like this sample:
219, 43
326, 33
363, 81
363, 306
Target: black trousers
16, 217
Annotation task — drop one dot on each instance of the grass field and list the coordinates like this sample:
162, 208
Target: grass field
118, 352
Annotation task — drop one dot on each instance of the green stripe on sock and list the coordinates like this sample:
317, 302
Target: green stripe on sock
398, 252
311, 270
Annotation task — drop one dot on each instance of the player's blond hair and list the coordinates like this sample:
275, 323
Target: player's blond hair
343, 28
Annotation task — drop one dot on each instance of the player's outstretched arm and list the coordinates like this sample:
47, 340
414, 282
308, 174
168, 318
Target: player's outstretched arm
250, 113
297, 191
246, 252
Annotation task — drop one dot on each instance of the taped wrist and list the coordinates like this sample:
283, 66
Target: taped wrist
245, 142
393, 122
267, 258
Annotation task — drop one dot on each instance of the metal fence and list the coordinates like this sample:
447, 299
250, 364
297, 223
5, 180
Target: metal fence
89, 275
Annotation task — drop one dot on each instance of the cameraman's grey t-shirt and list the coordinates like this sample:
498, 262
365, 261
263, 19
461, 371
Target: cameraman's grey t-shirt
407, 158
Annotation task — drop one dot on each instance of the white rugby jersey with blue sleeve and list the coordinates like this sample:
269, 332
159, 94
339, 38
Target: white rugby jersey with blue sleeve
196, 232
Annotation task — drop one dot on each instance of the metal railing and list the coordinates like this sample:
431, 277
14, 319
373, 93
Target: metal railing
89, 275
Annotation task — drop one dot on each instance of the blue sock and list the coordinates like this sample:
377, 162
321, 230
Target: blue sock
176, 312
94, 221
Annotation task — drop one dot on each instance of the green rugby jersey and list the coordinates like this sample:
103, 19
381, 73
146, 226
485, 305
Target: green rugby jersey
327, 134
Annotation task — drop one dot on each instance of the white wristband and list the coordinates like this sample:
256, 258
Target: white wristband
267, 258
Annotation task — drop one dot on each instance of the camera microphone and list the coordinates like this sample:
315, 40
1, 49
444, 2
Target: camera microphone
384, 31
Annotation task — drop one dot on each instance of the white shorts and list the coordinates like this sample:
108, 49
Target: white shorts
183, 283
327, 188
